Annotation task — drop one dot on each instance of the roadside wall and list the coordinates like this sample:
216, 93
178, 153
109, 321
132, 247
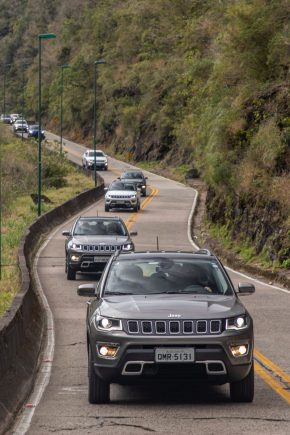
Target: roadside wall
22, 327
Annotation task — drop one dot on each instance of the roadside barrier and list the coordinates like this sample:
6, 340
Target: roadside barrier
22, 328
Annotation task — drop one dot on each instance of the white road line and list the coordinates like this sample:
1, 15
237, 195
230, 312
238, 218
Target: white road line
23, 421
189, 225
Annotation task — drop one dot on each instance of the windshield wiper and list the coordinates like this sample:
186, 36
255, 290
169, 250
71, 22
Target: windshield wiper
117, 293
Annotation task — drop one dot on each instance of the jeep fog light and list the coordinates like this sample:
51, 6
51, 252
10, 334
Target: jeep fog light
75, 257
108, 350
239, 350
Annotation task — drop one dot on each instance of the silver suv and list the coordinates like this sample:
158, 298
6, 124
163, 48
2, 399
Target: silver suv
91, 242
122, 195
89, 158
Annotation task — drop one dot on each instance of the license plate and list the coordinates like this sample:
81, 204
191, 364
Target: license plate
101, 259
163, 355
120, 202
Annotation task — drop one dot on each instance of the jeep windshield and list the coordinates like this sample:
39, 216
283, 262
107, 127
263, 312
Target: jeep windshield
132, 175
97, 227
167, 275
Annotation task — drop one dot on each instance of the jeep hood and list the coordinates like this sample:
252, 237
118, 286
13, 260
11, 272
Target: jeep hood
166, 306
97, 240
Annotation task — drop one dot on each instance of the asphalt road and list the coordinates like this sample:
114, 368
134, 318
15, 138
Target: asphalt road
64, 407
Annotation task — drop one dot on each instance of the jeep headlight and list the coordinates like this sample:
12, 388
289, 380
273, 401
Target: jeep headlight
133, 196
237, 323
107, 323
127, 247
76, 246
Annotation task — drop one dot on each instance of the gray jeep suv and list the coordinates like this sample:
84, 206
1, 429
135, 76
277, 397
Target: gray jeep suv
92, 241
169, 316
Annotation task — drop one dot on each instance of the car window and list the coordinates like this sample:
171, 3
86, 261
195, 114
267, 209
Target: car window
167, 275
132, 175
117, 186
97, 227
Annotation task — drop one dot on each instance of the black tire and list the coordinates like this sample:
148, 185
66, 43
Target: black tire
243, 391
136, 208
144, 193
70, 273
99, 390
107, 208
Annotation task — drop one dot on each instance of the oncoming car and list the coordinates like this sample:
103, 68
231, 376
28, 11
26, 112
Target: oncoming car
91, 242
90, 157
122, 195
137, 177
170, 316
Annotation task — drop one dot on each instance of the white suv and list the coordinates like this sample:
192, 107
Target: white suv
88, 160
122, 195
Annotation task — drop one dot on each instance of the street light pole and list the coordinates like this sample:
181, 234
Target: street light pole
61, 104
40, 37
97, 62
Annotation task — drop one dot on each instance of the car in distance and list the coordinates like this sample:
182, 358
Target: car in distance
14, 117
91, 242
33, 131
135, 176
168, 316
20, 125
88, 160
6, 119
122, 195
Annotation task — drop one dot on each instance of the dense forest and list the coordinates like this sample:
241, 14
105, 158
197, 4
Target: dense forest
201, 83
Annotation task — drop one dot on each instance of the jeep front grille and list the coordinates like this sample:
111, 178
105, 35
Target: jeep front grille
101, 248
174, 327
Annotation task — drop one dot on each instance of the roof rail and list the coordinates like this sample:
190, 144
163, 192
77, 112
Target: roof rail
203, 252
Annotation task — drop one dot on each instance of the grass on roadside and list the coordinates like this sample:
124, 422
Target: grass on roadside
19, 212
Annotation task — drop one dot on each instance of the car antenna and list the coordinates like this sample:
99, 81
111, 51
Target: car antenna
157, 243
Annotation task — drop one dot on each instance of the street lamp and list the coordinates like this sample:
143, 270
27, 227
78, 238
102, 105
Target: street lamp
4, 110
40, 37
97, 62
61, 104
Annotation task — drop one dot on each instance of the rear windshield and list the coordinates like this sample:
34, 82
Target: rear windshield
166, 275
94, 227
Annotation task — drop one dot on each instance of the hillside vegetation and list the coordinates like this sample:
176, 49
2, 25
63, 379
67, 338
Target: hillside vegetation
199, 83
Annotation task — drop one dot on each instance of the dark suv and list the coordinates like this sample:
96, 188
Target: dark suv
92, 241
137, 177
169, 316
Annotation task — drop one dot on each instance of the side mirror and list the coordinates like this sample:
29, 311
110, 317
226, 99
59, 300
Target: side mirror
66, 233
88, 290
134, 233
245, 288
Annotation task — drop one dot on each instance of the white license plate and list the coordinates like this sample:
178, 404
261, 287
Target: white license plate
101, 259
120, 202
164, 355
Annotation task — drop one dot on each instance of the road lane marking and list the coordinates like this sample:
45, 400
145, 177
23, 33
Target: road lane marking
272, 382
284, 377
134, 216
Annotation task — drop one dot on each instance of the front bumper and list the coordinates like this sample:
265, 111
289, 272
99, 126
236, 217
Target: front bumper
135, 359
121, 203
88, 262
99, 165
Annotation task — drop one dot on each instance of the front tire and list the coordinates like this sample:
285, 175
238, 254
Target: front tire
70, 273
107, 208
99, 390
243, 391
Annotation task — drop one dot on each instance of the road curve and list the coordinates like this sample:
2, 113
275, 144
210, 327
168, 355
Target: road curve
64, 406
